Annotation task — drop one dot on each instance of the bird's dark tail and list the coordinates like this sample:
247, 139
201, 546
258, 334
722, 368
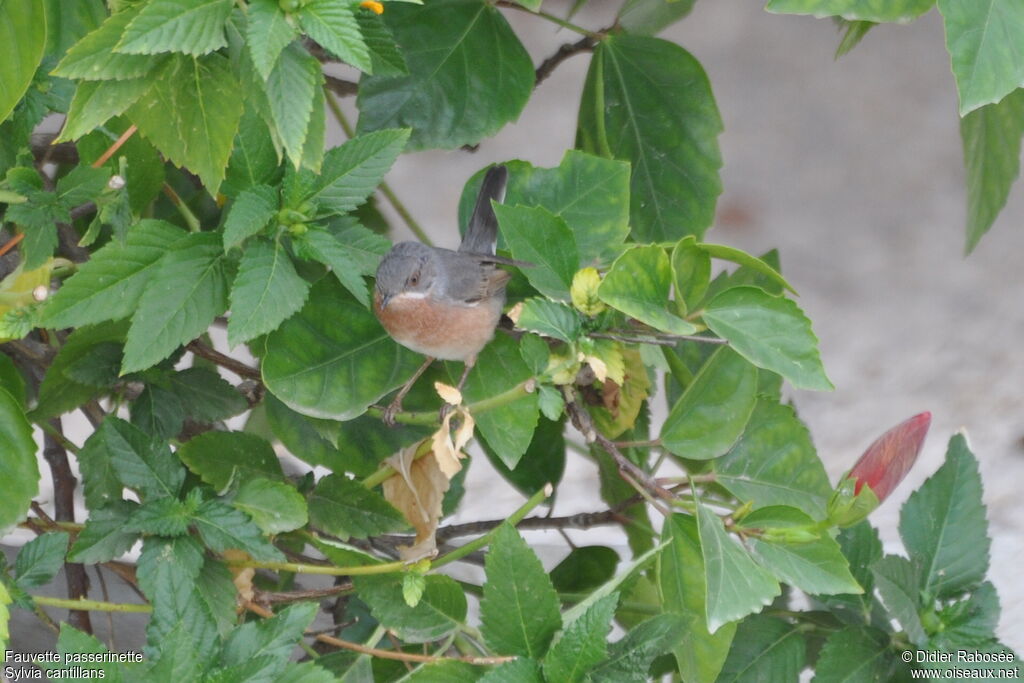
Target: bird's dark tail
482, 233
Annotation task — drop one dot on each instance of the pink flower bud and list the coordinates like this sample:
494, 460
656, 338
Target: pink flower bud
890, 457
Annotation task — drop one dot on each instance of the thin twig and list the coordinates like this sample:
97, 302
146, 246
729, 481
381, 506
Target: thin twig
273, 597
11, 243
116, 146
643, 337
567, 50
227, 362
340, 86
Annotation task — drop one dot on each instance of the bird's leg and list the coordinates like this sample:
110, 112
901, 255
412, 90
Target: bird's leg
470, 362
395, 406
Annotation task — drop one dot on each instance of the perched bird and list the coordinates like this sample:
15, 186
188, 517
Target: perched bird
442, 303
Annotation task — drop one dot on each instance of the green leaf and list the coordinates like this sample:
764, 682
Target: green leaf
222, 527
508, 429
583, 645
896, 11
254, 159
537, 236
104, 537
980, 38
162, 517
683, 589
325, 248
101, 482
856, 654
249, 214
267, 33
37, 219
188, 290
441, 609
468, 75
853, 33
584, 569
75, 646
346, 508
267, 291
648, 17
991, 140
542, 463
93, 57
276, 507
300, 436
322, 369
96, 102
630, 658
862, 548
970, 622
691, 274
40, 559
191, 114
205, 395
550, 401
816, 567
67, 24
648, 101
194, 27
139, 461
711, 414
158, 412
745, 260
222, 457
520, 607
364, 246
771, 332
774, 463
17, 461
638, 284
626, 576
269, 639
23, 35
943, 525
385, 57
521, 670
897, 584
736, 585
289, 93
353, 170
765, 649
334, 26
11, 379
550, 318
218, 592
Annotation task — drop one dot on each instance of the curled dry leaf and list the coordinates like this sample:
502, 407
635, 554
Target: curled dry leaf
241, 576
448, 393
514, 313
417, 491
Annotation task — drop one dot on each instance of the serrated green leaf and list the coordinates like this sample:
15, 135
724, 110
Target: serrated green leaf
771, 332
158, 412
59, 392
290, 91
82, 184
648, 101
774, 463
218, 592
544, 460
816, 567
991, 141
943, 525
300, 436
325, 248
12, 380
630, 659
249, 214
441, 609
93, 57
550, 401
254, 159
181, 299
385, 58
856, 654
140, 461
108, 286
104, 537
73, 645
194, 27
273, 638
205, 395
221, 457
353, 170
358, 361
765, 649
101, 481
413, 584
584, 569
508, 429
638, 284
267, 32
713, 411
520, 607
38, 218
648, 17
683, 589
96, 102
334, 26
468, 75
970, 622
550, 318
537, 236
191, 114
162, 517
736, 585
862, 548
266, 292
583, 644
17, 461
346, 508
276, 507
23, 35
65, 24
898, 11
897, 584
222, 527
40, 559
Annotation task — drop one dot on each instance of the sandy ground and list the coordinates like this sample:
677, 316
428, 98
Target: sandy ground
853, 169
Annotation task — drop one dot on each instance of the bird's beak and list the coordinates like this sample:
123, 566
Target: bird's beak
385, 299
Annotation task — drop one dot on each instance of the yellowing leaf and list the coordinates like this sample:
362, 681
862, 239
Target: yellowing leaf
621, 403
241, 576
417, 491
448, 393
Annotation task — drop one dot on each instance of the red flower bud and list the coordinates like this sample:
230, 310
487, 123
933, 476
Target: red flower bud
890, 457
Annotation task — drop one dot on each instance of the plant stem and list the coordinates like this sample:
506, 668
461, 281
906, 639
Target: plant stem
329, 570
89, 605
116, 146
550, 17
513, 519
384, 188
179, 203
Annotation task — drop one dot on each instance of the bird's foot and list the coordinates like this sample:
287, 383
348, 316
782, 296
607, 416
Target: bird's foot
393, 409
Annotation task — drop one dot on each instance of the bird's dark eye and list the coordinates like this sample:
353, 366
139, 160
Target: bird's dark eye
414, 279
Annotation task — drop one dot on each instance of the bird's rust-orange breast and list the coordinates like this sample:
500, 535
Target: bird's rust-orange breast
445, 331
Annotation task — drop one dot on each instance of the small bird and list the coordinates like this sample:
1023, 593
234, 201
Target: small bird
446, 304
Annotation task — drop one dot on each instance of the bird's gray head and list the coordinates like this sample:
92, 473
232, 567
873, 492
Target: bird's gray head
410, 268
